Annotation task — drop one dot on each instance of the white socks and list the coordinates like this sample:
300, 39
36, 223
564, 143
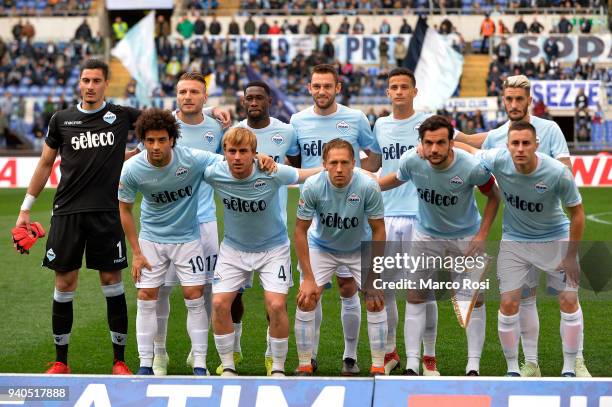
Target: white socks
225, 348
431, 328
508, 329
317, 328
530, 328
279, 348
476, 331
571, 328
237, 336
351, 321
304, 335
392, 317
414, 325
163, 312
146, 326
377, 334
197, 328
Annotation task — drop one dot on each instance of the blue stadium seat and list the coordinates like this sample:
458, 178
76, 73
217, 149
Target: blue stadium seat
609, 131
23, 91
34, 90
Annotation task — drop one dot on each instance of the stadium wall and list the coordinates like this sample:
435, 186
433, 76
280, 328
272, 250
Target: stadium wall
49, 28
16, 172
107, 391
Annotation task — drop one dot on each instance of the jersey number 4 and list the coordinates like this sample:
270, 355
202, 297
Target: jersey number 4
282, 275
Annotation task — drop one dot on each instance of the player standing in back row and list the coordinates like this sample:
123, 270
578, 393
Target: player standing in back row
314, 127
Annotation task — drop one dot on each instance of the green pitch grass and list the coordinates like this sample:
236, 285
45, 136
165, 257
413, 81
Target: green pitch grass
26, 292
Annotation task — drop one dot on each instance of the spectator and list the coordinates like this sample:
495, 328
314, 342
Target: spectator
7, 105
529, 68
585, 25
503, 51
385, 27
253, 48
551, 49
446, 27
275, 29
329, 50
264, 27
383, 53
295, 27
120, 28
4, 127
358, 27
234, 28
311, 28
582, 101
582, 126
344, 27
215, 27
564, 26
162, 27
324, 27
17, 30
83, 31
400, 51
487, 30
185, 28
371, 115
541, 110
405, 28
174, 67
249, 26
535, 27
199, 26
502, 28
520, 27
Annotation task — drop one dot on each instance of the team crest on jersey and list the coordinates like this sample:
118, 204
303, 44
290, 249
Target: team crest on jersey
209, 137
260, 184
50, 254
181, 172
456, 180
343, 126
541, 187
353, 199
278, 139
109, 117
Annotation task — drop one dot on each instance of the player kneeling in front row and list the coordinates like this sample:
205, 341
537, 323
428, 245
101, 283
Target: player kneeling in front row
341, 200
449, 223
536, 234
169, 178
255, 239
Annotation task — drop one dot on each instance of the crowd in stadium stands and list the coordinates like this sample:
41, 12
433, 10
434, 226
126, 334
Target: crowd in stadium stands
45, 7
366, 6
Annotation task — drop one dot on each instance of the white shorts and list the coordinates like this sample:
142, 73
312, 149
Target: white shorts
235, 269
341, 271
518, 262
186, 258
324, 265
209, 240
400, 231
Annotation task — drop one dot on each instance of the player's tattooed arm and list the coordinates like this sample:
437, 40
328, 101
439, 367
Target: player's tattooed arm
266, 163
139, 261
37, 183
491, 191
569, 264
389, 181
221, 115
372, 163
308, 294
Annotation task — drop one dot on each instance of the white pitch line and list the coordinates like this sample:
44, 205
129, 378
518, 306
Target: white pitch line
594, 218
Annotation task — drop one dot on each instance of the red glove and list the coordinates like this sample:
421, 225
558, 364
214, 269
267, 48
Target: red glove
24, 240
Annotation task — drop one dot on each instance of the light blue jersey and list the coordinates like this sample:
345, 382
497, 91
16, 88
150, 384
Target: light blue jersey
252, 221
205, 136
277, 140
392, 138
532, 211
341, 214
313, 131
447, 208
551, 139
169, 207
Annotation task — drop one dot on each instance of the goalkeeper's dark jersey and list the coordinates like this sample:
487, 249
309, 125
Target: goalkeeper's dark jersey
92, 149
